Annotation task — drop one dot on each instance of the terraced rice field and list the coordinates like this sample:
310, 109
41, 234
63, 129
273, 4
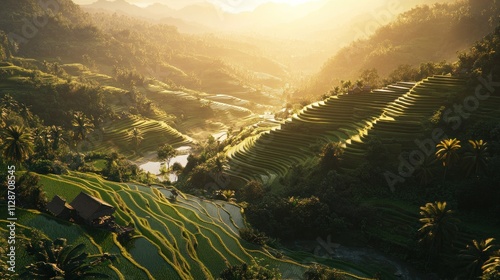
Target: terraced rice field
394, 114
402, 120
187, 239
116, 134
188, 104
13, 77
78, 70
338, 118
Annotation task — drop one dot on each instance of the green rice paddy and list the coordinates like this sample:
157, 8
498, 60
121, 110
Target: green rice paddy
190, 238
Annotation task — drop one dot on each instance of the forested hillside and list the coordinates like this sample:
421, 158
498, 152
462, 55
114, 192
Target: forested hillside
427, 33
195, 62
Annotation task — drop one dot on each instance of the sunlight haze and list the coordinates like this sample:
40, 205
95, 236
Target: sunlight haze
227, 5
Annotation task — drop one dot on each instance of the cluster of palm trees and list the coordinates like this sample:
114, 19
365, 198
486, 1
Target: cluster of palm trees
82, 126
438, 231
19, 142
473, 159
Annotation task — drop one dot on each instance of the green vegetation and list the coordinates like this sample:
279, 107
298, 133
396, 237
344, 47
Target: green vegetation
166, 153
269, 174
388, 161
248, 272
137, 137
338, 118
475, 256
56, 259
319, 272
179, 238
439, 227
81, 126
16, 145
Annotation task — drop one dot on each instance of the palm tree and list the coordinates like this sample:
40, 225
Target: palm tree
476, 160
17, 145
57, 260
475, 255
491, 268
359, 83
25, 113
225, 194
42, 141
447, 152
439, 226
136, 137
81, 125
56, 133
9, 102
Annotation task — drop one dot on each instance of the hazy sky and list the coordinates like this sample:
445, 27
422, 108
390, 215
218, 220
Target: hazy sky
230, 5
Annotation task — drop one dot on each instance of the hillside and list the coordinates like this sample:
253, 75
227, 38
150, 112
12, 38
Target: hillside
383, 168
337, 119
187, 239
194, 62
296, 38
423, 34
370, 159
405, 119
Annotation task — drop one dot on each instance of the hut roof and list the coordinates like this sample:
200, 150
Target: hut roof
90, 208
58, 205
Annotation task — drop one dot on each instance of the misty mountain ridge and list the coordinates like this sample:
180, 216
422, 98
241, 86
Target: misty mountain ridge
211, 15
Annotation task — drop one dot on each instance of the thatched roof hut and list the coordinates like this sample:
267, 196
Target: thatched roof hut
60, 208
90, 208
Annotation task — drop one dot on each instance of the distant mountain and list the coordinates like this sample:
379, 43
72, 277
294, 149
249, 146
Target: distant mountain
179, 4
202, 13
155, 12
122, 6
266, 16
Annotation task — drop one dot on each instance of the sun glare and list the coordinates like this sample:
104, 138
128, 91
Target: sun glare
244, 6
293, 2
